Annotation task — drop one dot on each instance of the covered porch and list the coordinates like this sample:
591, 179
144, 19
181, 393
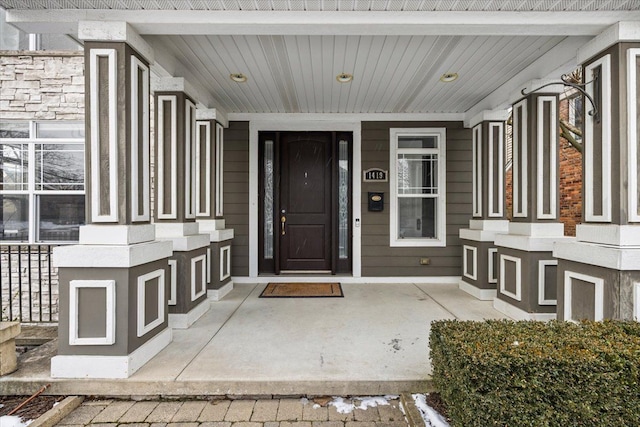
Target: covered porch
373, 341
218, 132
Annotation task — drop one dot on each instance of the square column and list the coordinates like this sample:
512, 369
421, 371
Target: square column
479, 256
526, 266
113, 309
599, 272
209, 202
177, 199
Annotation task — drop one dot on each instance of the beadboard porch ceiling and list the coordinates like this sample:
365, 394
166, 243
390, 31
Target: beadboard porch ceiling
397, 50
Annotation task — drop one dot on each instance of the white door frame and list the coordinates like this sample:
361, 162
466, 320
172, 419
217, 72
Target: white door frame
289, 124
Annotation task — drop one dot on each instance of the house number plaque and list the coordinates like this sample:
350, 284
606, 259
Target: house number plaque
375, 175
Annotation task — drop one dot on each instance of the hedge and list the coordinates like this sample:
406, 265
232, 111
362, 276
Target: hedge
506, 373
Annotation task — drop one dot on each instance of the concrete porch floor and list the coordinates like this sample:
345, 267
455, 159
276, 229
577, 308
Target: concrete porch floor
373, 341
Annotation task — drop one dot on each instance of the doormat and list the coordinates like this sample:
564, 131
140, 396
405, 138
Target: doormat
302, 290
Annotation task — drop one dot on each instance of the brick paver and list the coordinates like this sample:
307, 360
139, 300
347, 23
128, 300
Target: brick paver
229, 413
265, 410
240, 410
214, 411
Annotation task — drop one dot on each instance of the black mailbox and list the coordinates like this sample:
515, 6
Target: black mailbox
376, 202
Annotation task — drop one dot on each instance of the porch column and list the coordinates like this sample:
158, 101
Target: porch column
526, 266
209, 202
175, 201
479, 267
113, 310
599, 272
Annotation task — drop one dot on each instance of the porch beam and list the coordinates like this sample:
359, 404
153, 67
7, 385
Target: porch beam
329, 22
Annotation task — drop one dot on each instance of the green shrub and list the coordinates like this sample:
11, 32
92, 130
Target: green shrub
505, 373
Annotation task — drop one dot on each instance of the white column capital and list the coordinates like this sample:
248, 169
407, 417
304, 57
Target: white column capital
488, 116
115, 32
212, 114
174, 84
624, 31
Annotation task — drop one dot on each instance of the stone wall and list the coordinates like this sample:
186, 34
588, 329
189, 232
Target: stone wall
36, 86
41, 85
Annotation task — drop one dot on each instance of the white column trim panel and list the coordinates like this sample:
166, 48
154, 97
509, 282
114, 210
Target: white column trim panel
143, 328
209, 265
206, 210
632, 135
605, 117
189, 160
598, 304
518, 262
161, 158
219, 170
500, 165
96, 184
492, 278
473, 275
225, 266
110, 311
551, 192
520, 168
194, 261
173, 289
542, 297
137, 65
477, 170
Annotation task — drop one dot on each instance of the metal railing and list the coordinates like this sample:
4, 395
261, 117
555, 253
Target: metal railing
28, 284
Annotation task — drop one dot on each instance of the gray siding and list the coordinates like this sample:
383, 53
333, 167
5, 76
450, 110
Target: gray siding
378, 259
236, 193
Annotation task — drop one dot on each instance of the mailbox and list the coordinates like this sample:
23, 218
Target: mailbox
376, 202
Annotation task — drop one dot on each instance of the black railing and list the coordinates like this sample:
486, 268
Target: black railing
28, 284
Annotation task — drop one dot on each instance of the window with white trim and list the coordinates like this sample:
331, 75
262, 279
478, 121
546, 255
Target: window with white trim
418, 187
42, 183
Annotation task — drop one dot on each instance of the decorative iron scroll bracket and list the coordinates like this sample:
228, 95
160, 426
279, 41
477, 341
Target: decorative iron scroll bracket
594, 112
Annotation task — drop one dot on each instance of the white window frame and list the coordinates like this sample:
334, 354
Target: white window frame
441, 209
31, 192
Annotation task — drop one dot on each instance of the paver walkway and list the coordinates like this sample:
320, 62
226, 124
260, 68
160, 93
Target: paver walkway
231, 413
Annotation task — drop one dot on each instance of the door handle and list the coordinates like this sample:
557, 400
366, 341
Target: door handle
283, 219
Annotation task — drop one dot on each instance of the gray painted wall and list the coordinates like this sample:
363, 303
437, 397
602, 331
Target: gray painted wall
378, 259
236, 193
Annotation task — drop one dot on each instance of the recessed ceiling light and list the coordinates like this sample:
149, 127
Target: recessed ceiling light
344, 77
448, 77
238, 77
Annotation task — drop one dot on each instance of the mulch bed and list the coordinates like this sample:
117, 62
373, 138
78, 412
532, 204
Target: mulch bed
31, 410
435, 401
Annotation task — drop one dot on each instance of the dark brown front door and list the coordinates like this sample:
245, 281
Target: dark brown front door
304, 216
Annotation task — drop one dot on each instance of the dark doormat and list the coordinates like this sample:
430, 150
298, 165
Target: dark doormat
302, 290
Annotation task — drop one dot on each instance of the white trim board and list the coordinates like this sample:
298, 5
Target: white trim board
137, 65
499, 165
519, 314
473, 275
202, 259
476, 167
185, 320
542, 297
632, 135
109, 287
143, 328
549, 192
206, 186
518, 271
218, 294
256, 126
598, 303
161, 162
520, 198
481, 294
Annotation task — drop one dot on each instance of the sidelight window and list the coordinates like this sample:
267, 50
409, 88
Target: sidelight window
418, 187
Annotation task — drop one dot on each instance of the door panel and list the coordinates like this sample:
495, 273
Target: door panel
305, 201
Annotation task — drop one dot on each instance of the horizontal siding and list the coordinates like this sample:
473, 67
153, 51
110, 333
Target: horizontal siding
378, 258
236, 193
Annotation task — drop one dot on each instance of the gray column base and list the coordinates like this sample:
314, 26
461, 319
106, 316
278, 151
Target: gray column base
218, 294
185, 320
84, 366
220, 268
188, 283
479, 268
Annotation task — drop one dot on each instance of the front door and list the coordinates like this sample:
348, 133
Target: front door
304, 202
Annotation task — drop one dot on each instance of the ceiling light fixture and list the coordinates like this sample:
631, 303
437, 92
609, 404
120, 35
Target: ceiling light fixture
238, 77
344, 77
448, 77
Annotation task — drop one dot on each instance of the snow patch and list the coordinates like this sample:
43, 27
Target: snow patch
430, 416
347, 406
13, 421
